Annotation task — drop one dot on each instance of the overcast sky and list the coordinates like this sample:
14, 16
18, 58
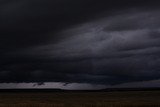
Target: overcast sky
81, 43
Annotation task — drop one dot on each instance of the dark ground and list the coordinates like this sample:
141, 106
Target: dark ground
61, 98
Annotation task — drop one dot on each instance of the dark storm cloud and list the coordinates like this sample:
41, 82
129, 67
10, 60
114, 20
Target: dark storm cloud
83, 41
32, 20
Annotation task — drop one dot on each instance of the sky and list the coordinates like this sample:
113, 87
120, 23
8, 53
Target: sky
79, 44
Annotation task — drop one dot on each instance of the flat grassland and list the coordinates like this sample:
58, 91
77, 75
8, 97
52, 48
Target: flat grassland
81, 99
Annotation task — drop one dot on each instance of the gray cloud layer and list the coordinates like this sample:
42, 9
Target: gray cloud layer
113, 47
92, 52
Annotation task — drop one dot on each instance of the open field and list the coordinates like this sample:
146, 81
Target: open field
81, 99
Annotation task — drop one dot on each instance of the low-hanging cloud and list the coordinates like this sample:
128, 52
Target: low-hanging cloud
121, 47
94, 53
